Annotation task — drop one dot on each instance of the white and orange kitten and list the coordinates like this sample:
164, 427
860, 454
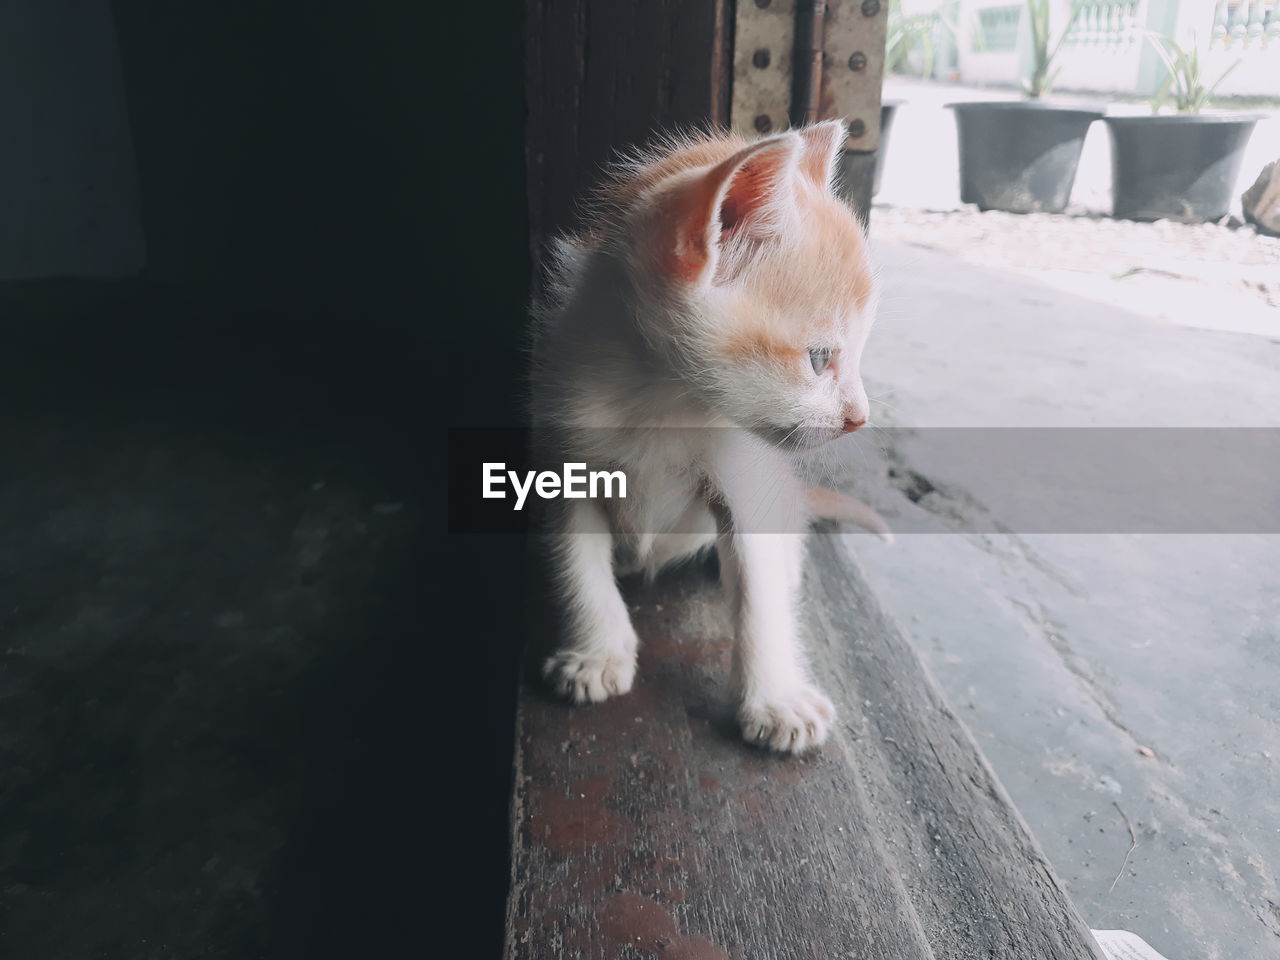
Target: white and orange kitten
715, 310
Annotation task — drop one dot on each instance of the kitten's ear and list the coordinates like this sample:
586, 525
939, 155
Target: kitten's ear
749, 195
822, 145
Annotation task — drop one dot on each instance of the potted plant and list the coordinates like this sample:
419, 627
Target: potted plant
1181, 165
1021, 156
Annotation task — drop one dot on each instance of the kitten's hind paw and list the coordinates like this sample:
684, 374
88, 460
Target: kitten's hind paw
590, 677
789, 721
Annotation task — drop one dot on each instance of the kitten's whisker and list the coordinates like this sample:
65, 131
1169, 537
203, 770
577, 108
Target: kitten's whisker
862, 453
881, 441
780, 443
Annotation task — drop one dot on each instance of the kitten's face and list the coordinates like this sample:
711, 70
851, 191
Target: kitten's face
790, 331
774, 270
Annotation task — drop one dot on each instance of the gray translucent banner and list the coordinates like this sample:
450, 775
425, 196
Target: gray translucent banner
1071, 480
947, 480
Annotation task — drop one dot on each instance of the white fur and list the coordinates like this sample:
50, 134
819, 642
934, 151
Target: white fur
627, 376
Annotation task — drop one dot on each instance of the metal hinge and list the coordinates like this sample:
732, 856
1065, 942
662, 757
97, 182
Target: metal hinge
797, 61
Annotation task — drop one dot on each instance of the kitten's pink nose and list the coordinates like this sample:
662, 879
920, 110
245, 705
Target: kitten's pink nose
852, 425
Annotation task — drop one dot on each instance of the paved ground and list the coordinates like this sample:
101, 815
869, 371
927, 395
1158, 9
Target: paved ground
1201, 275
1116, 682
922, 170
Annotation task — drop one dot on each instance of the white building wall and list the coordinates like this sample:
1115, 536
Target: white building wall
1108, 52
983, 66
1103, 50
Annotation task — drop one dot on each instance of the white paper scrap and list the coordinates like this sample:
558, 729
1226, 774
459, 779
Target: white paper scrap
1123, 945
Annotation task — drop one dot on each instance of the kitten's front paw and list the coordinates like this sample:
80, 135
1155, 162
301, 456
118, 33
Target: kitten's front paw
590, 677
790, 721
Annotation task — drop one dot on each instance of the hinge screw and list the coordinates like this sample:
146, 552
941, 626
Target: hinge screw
760, 58
869, 7
857, 128
763, 123
858, 61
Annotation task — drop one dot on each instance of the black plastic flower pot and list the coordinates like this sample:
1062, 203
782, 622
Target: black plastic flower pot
1019, 156
1177, 167
887, 110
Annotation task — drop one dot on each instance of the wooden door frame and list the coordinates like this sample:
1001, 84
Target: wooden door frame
604, 75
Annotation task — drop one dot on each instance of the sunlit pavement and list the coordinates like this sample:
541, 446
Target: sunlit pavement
1116, 682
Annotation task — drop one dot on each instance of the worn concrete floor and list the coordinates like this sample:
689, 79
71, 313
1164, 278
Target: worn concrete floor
1115, 681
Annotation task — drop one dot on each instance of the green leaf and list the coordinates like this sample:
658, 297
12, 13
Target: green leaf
1043, 48
1162, 93
1225, 73
1184, 80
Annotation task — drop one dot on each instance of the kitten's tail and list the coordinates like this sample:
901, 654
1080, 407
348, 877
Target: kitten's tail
829, 505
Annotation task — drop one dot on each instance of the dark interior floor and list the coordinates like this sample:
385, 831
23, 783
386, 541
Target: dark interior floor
223, 672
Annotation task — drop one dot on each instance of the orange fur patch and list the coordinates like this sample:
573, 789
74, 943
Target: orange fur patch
630, 181
801, 294
799, 291
760, 344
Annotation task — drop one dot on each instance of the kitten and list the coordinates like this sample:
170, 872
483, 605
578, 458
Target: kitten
720, 286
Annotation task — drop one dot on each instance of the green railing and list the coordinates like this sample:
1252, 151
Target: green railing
1246, 22
1108, 23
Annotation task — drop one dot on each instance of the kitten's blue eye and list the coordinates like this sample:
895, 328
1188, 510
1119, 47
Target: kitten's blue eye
820, 357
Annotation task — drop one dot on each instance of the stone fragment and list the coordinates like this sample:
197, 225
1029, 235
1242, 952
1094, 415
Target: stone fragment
1261, 202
